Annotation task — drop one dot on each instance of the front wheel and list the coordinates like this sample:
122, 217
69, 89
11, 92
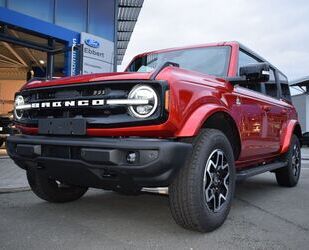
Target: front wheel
52, 190
201, 194
288, 176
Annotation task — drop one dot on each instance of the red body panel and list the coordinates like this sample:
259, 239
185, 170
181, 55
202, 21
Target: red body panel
88, 78
286, 135
264, 129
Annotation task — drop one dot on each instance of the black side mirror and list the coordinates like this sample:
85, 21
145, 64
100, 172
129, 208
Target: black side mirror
258, 72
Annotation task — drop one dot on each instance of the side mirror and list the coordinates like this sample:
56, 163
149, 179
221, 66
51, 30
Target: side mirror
258, 72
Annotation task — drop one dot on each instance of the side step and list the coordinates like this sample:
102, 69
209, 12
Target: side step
249, 172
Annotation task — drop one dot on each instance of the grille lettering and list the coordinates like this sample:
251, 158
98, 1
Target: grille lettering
83, 103
69, 103
56, 104
97, 102
45, 105
35, 105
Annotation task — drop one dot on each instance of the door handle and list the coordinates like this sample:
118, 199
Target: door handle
266, 108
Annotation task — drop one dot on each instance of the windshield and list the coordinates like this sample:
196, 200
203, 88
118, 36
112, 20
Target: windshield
209, 60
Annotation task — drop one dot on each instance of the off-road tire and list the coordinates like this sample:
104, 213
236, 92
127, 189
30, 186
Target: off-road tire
186, 193
49, 190
288, 176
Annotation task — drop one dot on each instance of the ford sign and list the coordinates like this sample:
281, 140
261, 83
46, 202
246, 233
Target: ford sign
92, 43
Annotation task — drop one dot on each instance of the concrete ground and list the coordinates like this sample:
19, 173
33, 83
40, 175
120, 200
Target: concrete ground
12, 178
263, 216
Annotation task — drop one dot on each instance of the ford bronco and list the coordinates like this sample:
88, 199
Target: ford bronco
194, 119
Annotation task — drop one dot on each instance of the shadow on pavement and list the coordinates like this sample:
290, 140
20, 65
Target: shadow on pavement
105, 218
144, 211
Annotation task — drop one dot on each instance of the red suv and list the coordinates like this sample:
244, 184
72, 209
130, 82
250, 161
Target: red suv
194, 119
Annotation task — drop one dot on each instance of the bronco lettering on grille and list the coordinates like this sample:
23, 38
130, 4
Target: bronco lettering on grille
59, 104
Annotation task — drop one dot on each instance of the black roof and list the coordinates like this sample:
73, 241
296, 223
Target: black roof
243, 47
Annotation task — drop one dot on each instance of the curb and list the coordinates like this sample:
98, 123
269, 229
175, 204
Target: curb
14, 190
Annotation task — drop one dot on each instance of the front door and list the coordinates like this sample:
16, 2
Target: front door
253, 120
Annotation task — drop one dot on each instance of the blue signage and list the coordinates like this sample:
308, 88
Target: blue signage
92, 43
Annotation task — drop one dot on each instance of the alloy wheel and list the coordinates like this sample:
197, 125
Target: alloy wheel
216, 180
296, 160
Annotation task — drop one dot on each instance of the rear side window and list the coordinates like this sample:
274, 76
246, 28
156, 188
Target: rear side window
285, 88
286, 92
271, 87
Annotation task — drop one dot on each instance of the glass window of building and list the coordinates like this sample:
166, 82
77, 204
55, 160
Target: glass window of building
36, 8
71, 14
101, 18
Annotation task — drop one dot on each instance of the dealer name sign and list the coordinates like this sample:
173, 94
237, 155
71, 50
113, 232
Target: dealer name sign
98, 54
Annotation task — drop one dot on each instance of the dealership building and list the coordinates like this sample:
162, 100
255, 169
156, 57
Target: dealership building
55, 38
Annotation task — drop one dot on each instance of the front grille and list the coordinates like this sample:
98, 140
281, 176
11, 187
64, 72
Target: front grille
97, 116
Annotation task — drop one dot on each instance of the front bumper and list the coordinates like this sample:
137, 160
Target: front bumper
107, 163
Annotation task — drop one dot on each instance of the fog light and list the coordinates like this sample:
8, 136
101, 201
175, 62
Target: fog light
131, 157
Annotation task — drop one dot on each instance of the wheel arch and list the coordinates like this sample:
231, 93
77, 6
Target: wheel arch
291, 128
216, 117
227, 125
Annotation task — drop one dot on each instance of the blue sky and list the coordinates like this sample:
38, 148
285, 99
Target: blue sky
277, 30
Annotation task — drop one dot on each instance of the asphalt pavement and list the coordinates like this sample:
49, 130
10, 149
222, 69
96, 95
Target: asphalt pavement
263, 216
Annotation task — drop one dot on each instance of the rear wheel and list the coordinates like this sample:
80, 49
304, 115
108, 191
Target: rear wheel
52, 190
1, 142
201, 194
288, 176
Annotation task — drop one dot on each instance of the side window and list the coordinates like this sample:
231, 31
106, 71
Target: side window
285, 89
271, 87
243, 60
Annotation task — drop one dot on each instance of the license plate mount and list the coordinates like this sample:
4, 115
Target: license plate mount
62, 126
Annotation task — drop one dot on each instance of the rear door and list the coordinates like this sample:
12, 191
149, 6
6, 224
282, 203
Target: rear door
274, 111
279, 99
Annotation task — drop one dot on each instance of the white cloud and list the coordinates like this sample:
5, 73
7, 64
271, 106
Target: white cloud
277, 30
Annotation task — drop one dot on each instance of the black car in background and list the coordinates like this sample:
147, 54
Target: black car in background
5, 128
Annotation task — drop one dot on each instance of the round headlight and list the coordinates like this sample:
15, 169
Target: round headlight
143, 92
19, 100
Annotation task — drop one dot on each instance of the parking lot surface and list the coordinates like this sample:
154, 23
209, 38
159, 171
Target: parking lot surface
263, 216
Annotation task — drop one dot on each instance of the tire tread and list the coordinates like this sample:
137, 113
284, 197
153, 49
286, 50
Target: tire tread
186, 212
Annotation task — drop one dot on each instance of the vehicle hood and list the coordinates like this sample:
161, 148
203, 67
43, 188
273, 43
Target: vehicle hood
88, 78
